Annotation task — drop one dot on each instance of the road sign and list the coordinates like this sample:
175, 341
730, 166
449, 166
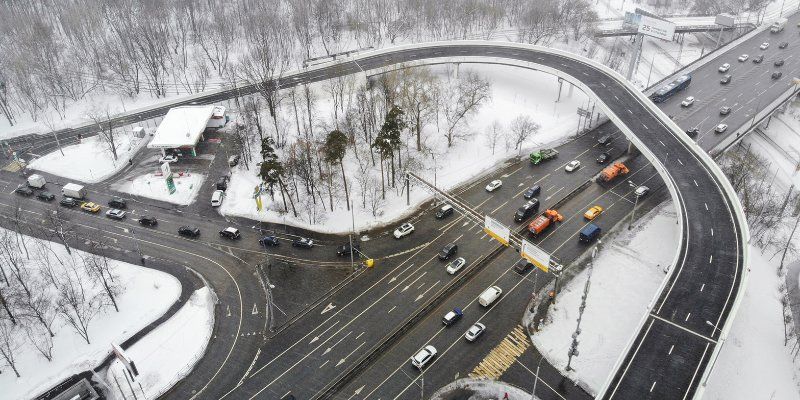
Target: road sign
124, 359
656, 28
725, 20
165, 169
170, 184
500, 232
534, 254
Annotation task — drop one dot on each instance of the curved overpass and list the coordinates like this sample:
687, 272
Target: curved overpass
672, 353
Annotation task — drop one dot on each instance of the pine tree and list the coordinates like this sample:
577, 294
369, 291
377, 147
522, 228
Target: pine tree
272, 172
335, 149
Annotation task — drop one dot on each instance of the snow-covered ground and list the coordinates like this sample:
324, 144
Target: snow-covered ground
90, 160
167, 354
154, 187
514, 92
146, 296
628, 269
780, 142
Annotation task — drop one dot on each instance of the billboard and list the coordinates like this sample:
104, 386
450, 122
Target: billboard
725, 20
496, 230
534, 254
656, 28
125, 360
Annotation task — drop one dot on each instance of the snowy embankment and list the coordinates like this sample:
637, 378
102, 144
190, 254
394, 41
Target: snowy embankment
514, 92
144, 296
91, 160
628, 269
152, 186
168, 353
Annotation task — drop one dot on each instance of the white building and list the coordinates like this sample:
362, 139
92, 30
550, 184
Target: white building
183, 127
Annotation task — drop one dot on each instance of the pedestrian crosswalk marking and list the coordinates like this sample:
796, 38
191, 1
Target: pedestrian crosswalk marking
503, 355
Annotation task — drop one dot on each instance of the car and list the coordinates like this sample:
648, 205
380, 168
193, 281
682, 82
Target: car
45, 196
90, 207
344, 250
572, 165
115, 213
68, 202
449, 250
777, 75
721, 128
189, 231
230, 233
692, 132
494, 185
743, 57
724, 110
116, 202
456, 265
726, 79
169, 158
217, 197
641, 191
173, 152
233, 160
605, 140
452, 317
23, 190
688, 101
603, 157
783, 45
423, 357
302, 242
148, 221
778, 63
724, 67
444, 211
764, 46
758, 59
222, 182
475, 331
522, 266
269, 241
403, 230
526, 210
532, 192
593, 212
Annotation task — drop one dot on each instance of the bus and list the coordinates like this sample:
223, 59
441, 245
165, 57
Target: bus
671, 88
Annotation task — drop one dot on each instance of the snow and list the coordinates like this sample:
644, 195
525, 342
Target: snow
168, 353
90, 160
780, 143
515, 92
480, 389
181, 127
639, 256
151, 186
147, 295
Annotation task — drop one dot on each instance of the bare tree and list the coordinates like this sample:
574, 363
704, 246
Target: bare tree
419, 89
493, 133
460, 99
10, 343
105, 128
522, 127
76, 304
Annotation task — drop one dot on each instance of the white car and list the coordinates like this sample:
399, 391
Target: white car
115, 213
743, 57
641, 191
721, 128
403, 230
572, 165
494, 185
168, 159
689, 101
474, 331
724, 67
456, 265
423, 357
764, 46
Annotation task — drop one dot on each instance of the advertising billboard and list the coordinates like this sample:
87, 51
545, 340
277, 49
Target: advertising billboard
500, 232
656, 28
534, 254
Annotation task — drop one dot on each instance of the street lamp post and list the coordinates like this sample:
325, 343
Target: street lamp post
536, 377
635, 203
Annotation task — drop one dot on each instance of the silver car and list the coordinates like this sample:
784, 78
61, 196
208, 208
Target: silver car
456, 265
423, 357
474, 331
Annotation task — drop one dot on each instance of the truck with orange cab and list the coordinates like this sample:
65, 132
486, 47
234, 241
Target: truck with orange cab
612, 171
542, 222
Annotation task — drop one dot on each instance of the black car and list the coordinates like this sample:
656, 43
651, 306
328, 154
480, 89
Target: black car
189, 231
116, 202
605, 140
148, 221
758, 59
783, 45
777, 75
69, 202
522, 266
344, 249
603, 157
269, 241
532, 192
778, 63
692, 132
23, 190
305, 243
45, 196
448, 251
526, 210
725, 79
222, 183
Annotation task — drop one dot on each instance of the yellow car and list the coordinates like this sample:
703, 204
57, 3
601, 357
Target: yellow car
90, 207
593, 213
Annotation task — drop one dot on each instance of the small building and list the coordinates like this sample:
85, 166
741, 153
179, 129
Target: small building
183, 127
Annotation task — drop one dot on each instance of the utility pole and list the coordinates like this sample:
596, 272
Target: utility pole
635, 203
573, 348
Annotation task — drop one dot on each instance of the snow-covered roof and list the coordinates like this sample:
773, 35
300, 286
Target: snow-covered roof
181, 127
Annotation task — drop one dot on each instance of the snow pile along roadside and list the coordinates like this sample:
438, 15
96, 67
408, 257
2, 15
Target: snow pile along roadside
168, 353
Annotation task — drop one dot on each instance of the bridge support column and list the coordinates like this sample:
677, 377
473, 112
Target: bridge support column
632, 150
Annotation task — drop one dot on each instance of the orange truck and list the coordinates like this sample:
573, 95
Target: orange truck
612, 171
542, 222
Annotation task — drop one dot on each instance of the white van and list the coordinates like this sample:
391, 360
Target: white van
216, 198
489, 296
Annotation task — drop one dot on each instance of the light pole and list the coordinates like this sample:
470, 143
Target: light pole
573, 348
635, 203
536, 377
138, 249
